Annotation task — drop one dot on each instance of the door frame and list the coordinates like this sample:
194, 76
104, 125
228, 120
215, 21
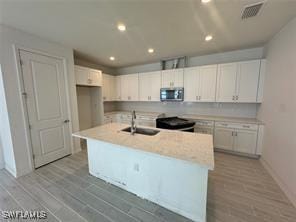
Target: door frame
17, 49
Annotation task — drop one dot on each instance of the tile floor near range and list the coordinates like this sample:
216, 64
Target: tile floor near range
240, 190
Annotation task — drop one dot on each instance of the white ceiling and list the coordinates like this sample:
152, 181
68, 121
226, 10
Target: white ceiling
171, 27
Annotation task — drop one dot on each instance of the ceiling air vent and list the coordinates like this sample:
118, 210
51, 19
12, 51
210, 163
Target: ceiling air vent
252, 10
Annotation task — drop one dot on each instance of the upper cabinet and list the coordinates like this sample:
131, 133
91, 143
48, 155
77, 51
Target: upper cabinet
108, 88
117, 88
149, 86
88, 77
238, 82
200, 83
247, 81
129, 87
172, 78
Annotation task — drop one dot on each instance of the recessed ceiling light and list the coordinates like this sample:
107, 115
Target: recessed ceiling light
205, 1
112, 58
121, 27
150, 50
208, 38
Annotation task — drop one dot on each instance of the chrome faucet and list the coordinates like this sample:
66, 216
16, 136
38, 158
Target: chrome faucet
133, 123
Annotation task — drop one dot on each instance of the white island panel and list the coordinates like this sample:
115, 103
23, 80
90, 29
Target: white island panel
178, 185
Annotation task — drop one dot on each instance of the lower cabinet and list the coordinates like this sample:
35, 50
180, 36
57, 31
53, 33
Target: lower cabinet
234, 138
245, 141
126, 119
223, 138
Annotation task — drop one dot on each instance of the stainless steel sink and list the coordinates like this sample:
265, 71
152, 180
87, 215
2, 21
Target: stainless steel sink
144, 131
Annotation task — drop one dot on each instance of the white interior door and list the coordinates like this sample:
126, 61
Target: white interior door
44, 83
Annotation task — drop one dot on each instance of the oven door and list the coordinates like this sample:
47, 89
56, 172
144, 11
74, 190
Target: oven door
172, 94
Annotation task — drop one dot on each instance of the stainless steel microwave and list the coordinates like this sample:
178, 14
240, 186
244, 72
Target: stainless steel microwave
172, 94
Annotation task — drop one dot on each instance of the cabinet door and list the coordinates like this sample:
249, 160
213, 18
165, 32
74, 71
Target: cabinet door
96, 77
167, 78
82, 75
245, 141
112, 88
178, 78
226, 86
223, 138
155, 82
106, 87
247, 81
207, 83
124, 87
144, 86
191, 84
118, 88
133, 87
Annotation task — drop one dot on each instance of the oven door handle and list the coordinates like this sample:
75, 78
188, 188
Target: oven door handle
185, 129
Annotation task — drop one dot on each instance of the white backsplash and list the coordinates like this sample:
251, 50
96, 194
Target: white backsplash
176, 108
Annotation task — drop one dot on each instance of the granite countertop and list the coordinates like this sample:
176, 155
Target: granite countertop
192, 147
222, 119
153, 114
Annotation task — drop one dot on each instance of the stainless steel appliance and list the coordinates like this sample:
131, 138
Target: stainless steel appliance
175, 123
171, 94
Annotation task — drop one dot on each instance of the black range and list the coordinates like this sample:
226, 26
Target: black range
175, 123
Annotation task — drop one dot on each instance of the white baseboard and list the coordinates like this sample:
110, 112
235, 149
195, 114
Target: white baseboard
10, 170
289, 193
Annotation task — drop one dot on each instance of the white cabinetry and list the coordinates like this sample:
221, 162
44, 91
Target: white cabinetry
223, 138
88, 77
118, 88
149, 86
247, 81
108, 88
238, 82
204, 127
172, 78
200, 84
129, 87
226, 85
235, 137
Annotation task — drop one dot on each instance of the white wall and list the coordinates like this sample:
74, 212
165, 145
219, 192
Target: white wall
1, 156
16, 139
278, 110
216, 109
231, 56
104, 69
5, 135
84, 107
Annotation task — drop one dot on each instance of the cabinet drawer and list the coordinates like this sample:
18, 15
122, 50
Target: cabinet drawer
204, 123
246, 126
204, 130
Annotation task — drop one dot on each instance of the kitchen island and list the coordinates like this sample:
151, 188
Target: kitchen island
169, 168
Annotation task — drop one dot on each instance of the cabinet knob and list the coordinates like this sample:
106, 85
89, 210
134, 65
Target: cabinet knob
233, 97
196, 97
236, 97
66, 121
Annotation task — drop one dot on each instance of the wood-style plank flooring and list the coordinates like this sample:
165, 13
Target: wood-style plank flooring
240, 190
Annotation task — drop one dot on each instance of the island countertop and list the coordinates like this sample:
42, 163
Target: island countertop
191, 147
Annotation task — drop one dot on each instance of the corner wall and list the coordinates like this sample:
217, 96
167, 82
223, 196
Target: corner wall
16, 142
278, 110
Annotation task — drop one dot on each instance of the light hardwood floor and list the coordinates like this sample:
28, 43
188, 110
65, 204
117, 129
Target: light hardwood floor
240, 190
